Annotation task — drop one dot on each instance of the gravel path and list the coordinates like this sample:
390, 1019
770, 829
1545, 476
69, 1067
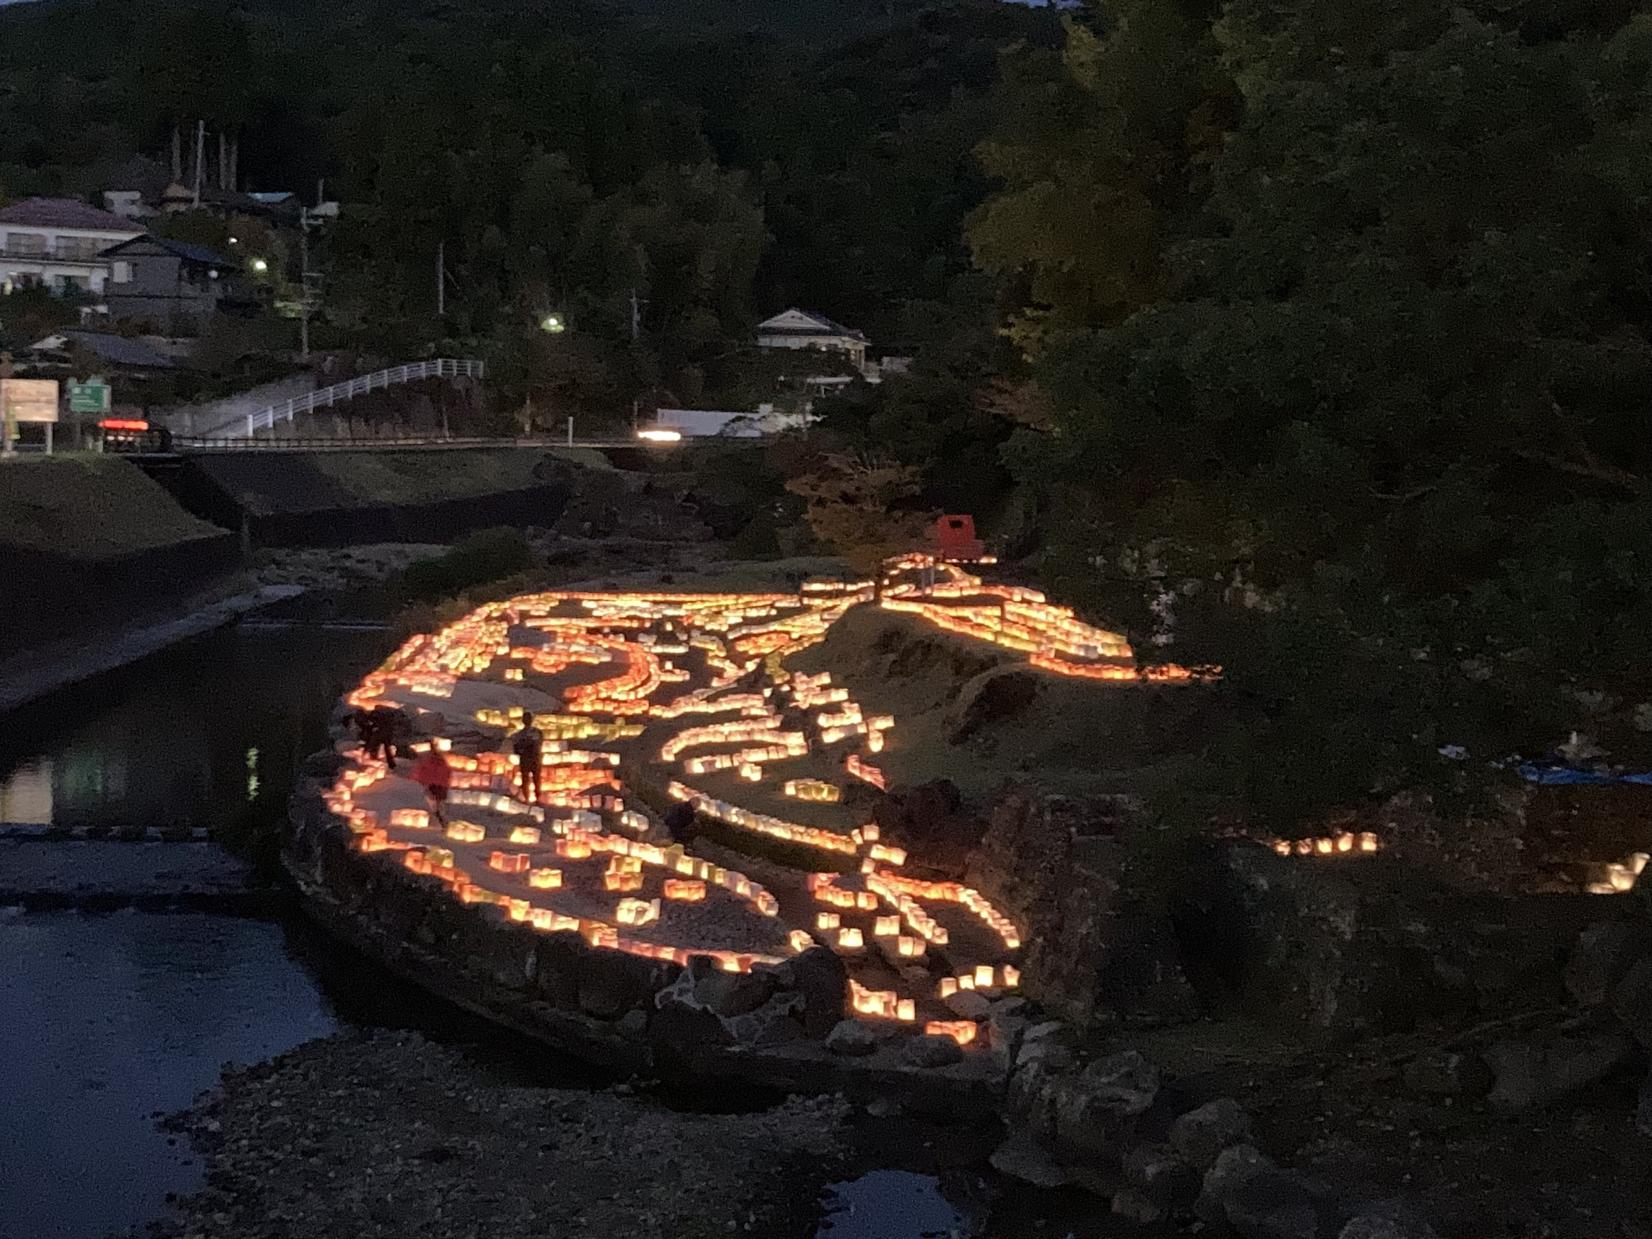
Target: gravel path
388, 1135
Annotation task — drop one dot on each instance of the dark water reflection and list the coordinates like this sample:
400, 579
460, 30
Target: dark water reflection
110, 1018
208, 734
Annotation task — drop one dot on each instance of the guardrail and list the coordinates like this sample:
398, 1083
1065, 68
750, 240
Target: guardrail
392, 376
427, 443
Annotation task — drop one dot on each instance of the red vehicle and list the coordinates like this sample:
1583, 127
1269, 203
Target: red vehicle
133, 436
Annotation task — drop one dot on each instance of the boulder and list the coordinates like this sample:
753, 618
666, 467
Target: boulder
1448, 1073
1200, 1135
932, 1051
1532, 1074
1096, 1111
1021, 1157
991, 698
823, 981
1136, 1206
1279, 1204
1234, 1167
734, 993
1386, 1226
1160, 1174
1632, 996
852, 1039
968, 1005
1603, 954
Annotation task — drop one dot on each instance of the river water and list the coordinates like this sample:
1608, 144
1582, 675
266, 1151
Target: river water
110, 1021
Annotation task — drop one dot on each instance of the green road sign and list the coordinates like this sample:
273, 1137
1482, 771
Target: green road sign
90, 397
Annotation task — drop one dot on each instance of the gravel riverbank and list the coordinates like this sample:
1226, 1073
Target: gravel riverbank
388, 1135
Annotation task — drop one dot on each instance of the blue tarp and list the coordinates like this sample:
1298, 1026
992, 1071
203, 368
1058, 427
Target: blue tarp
1555, 776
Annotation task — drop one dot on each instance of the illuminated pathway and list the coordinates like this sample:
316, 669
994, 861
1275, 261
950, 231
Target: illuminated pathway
690, 695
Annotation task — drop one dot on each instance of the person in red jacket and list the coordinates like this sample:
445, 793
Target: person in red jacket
433, 773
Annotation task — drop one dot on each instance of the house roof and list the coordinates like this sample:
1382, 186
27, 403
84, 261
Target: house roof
116, 350
178, 249
62, 213
812, 324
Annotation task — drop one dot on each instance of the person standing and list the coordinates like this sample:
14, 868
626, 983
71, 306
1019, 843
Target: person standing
435, 775
529, 746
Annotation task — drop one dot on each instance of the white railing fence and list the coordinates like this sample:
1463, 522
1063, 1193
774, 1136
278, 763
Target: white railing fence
325, 397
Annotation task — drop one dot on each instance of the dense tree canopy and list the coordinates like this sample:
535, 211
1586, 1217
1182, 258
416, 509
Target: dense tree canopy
1366, 375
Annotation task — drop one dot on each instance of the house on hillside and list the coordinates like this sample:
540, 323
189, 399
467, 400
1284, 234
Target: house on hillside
58, 243
174, 286
116, 354
800, 329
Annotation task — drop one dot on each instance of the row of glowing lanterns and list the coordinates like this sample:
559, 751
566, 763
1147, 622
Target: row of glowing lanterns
759, 633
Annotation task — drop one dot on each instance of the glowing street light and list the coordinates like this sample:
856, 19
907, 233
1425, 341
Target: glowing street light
260, 266
553, 324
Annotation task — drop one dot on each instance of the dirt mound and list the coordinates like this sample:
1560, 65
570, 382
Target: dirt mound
978, 715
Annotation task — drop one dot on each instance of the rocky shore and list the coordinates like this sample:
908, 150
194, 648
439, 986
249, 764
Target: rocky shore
388, 1135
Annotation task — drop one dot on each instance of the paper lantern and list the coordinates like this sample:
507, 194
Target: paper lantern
684, 890
545, 879
887, 925
850, 940
961, 1031
525, 834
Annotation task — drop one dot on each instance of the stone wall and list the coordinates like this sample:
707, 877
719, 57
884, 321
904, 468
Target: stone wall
1345, 947
766, 1028
1092, 953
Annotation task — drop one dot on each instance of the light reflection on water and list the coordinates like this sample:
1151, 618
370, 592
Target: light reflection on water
206, 734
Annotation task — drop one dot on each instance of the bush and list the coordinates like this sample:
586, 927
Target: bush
476, 559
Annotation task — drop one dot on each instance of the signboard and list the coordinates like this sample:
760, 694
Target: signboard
92, 396
28, 400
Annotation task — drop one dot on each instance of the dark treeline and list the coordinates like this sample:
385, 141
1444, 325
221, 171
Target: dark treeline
1312, 337
721, 160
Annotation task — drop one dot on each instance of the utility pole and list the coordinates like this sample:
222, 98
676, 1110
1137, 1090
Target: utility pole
306, 221
200, 159
636, 315
441, 279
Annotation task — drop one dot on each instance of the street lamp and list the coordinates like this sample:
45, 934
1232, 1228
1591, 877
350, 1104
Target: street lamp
553, 324
260, 266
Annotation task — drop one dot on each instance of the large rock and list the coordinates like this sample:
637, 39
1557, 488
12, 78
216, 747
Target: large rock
823, 981
967, 1004
1160, 1174
1534, 1074
932, 1051
1021, 1157
1632, 997
734, 993
1603, 954
1134, 1205
1448, 1073
852, 1039
989, 699
1096, 1111
1234, 1167
1396, 1223
1279, 1204
1200, 1135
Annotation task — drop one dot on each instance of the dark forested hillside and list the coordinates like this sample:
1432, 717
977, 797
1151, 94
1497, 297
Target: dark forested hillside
720, 159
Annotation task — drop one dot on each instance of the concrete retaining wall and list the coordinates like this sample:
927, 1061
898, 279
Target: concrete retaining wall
44, 597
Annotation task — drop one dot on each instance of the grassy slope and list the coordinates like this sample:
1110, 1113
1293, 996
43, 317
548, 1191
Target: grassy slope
1076, 736
88, 507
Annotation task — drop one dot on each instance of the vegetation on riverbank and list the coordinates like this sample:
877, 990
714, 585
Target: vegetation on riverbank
86, 506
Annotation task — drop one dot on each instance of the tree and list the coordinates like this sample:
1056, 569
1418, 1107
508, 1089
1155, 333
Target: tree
858, 506
1381, 407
